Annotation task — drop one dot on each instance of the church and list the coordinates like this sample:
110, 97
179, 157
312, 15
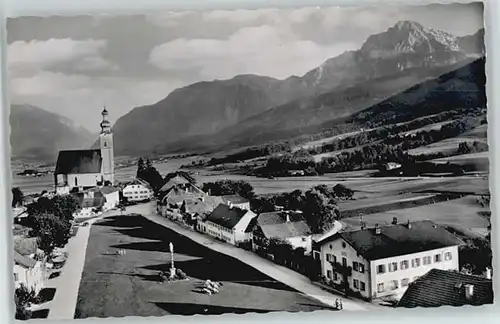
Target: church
78, 170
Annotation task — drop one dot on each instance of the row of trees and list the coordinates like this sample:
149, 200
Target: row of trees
253, 152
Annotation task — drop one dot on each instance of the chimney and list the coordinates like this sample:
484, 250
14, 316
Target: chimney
230, 204
377, 229
363, 225
408, 224
394, 221
209, 192
287, 215
487, 273
469, 292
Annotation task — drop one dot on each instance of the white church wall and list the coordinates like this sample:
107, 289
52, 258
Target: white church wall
84, 179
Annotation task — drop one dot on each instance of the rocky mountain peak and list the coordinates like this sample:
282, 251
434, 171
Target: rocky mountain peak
409, 37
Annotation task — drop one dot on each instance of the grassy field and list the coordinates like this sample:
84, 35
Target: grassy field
460, 213
128, 285
478, 132
446, 146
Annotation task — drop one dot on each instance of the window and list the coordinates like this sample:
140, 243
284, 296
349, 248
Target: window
394, 284
355, 283
405, 282
380, 287
447, 256
355, 266
381, 268
427, 260
344, 262
335, 276
437, 258
393, 266
344, 245
16, 277
361, 268
415, 263
331, 247
362, 286
404, 265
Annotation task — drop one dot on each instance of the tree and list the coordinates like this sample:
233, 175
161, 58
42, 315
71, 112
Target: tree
23, 298
62, 207
17, 197
229, 187
51, 231
147, 172
319, 212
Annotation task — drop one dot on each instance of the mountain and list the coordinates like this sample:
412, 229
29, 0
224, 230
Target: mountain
404, 55
37, 134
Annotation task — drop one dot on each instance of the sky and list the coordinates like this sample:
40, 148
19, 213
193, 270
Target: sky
73, 66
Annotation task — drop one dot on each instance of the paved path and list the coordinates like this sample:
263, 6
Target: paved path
279, 273
62, 307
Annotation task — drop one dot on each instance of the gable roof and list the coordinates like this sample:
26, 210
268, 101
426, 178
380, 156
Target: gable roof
235, 199
138, 181
23, 261
78, 162
226, 216
446, 288
395, 240
275, 224
202, 205
175, 181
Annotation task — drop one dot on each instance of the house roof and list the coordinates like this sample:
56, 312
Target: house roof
275, 224
107, 190
235, 199
25, 245
226, 216
446, 288
177, 196
395, 240
23, 261
202, 205
175, 181
78, 162
138, 181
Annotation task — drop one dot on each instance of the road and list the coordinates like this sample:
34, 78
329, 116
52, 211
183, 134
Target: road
279, 273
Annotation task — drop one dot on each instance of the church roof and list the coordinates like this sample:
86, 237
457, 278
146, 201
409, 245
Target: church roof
78, 162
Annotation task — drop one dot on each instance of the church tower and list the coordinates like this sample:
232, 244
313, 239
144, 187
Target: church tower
107, 154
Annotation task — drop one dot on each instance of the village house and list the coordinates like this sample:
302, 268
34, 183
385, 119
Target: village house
78, 170
179, 182
383, 261
228, 223
137, 190
28, 272
448, 288
96, 200
236, 201
285, 225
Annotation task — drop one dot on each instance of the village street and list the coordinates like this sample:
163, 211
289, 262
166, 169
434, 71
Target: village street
279, 273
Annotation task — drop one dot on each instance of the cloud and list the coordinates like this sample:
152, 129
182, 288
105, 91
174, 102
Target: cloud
44, 55
264, 50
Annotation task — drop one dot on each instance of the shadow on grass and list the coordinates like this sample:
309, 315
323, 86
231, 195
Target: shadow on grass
46, 294
152, 277
39, 314
194, 309
223, 268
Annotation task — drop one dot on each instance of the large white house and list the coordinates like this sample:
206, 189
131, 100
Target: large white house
383, 261
78, 170
228, 223
137, 190
28, 272
236, 201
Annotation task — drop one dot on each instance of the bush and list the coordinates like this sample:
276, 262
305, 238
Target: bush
180, 274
